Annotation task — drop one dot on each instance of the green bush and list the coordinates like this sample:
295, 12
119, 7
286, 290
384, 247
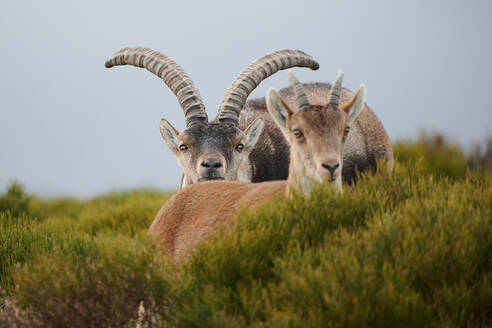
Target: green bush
125, 213
20, 239
103, 289
15, 200
434, 155
88, 261
70, 225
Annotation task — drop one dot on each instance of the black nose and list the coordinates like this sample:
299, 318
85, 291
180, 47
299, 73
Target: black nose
331, 168
211, 163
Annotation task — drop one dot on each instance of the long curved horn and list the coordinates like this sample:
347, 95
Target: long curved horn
172, 74
249, 78
300, 92
336, 88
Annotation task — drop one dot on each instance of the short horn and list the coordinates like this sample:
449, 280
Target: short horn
300, 92
171, 73
336, 88
250, 77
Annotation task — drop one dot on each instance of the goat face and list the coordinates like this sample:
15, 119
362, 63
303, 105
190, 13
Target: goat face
316, 135
212, 151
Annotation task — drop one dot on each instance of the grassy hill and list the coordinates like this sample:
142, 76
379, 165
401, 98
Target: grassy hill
410, 248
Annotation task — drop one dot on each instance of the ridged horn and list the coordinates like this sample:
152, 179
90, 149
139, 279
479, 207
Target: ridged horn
301, 96
336, 88
250, 77
171, 73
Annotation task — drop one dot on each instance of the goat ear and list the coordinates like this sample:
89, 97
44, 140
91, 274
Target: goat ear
280, 111
354, 106
170, 134
253, 132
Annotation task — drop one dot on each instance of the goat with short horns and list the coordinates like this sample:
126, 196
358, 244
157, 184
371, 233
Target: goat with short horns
316, 135
366, 145
221, 149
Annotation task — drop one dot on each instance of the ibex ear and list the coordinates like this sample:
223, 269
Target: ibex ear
170, 134
354, 106
253, 132
280, 111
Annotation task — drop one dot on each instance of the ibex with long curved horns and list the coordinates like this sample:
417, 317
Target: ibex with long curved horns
221, 149
316, 135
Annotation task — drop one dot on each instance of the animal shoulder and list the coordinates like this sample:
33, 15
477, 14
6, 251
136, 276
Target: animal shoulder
225, 193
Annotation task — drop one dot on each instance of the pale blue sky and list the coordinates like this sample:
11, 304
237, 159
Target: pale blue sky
68, 126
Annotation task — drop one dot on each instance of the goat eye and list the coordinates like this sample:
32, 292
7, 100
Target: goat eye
297, 133
183, 148
240, 147
346, 131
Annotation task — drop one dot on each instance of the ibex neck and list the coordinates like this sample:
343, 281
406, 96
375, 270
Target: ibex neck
185, 181
298, 179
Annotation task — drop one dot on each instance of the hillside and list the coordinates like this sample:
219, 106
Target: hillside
410, 248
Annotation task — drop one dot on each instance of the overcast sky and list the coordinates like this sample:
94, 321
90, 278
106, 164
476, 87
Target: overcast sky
69, 126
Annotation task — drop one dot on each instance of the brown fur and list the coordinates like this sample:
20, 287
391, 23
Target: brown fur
196, 211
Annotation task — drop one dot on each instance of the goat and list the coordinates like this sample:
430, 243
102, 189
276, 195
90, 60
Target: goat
316, 135
366, 144
220, 149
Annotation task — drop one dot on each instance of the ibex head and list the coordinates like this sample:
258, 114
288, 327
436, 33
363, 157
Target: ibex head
316, 133
218, 149
211, 151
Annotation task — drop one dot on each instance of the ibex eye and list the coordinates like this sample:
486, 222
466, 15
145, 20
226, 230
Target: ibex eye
297, 133
346, 131
240, 147
183, 148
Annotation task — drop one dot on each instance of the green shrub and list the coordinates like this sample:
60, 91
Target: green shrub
22, 238
93, 209
103, 289
129, 213
15, 200
92, 254
55, 208
434, 155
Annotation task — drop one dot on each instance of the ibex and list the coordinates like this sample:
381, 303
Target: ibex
316, 135
221, 149
366, 144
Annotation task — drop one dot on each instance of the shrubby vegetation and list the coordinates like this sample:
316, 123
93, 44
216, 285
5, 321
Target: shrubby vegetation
402, 249
15, 200
80, 263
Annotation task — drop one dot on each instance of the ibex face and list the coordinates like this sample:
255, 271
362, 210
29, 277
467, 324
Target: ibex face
316, 134
219, 149
212, 151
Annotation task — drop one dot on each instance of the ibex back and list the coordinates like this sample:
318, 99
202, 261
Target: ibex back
316, 135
